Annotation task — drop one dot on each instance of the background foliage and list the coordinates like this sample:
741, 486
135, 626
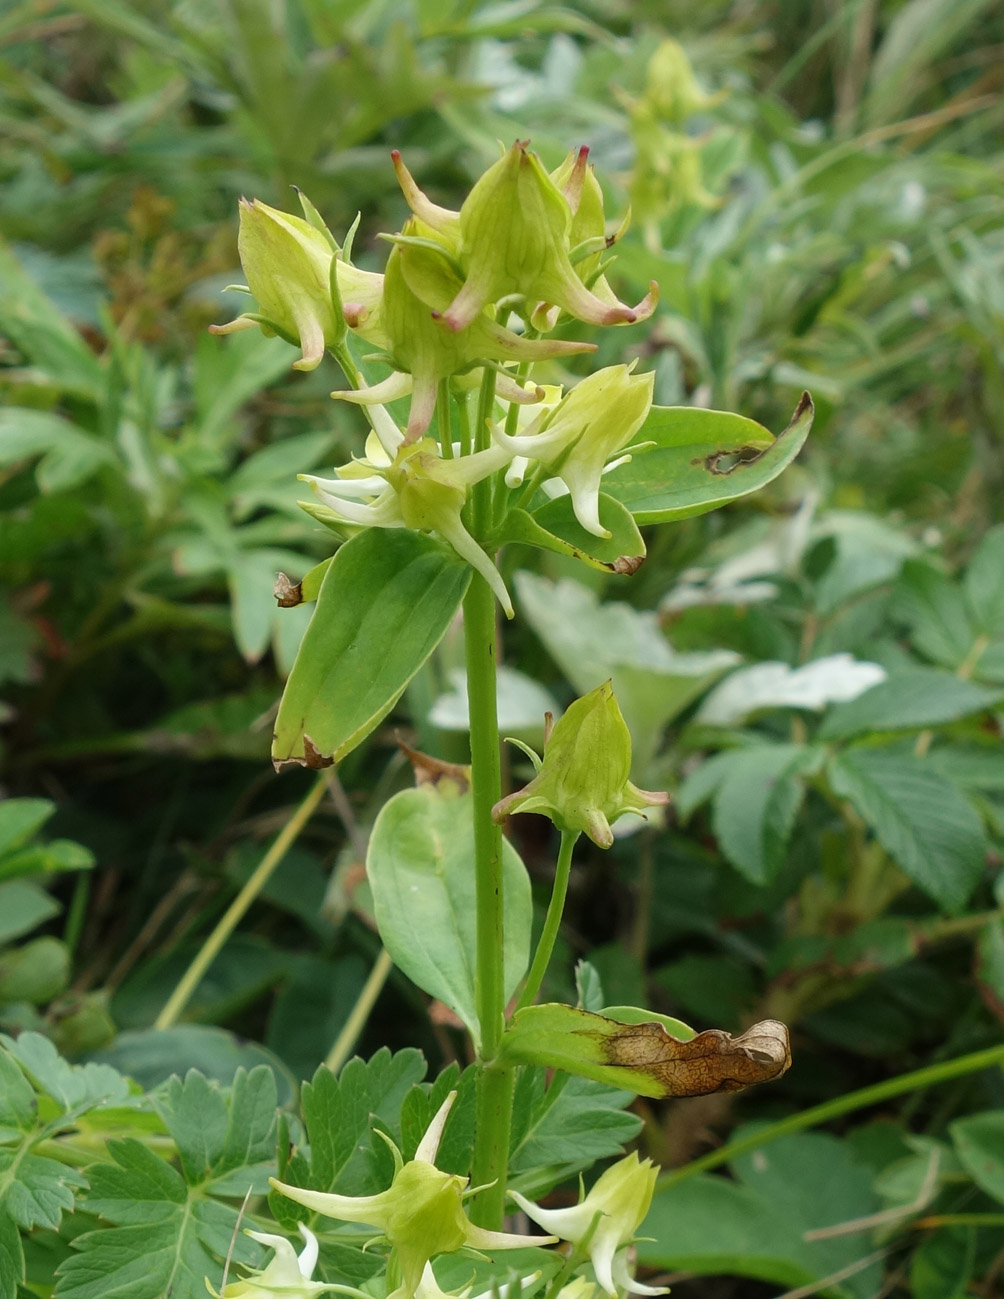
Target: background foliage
816, 671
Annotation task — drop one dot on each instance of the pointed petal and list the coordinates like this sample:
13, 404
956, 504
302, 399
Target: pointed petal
308, 1255
346, 1208
569, 1224
440, 218
428, 1147
311, 341
453, 531
382, 424
481, 1238
623, 1279
389, 389
234, 326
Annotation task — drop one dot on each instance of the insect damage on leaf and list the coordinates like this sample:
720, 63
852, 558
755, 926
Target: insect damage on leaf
713, 1061
727, 461
312, 758
629, 1047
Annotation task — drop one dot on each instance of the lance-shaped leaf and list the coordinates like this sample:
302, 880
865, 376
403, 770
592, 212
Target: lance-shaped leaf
383, 607
702, 459
631, 1048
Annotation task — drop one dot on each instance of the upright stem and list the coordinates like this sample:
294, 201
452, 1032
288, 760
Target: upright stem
552, 921
494, 1094
494, 1089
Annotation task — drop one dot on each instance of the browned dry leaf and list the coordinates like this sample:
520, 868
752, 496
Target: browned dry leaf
288, 594
713, 1061
430, 771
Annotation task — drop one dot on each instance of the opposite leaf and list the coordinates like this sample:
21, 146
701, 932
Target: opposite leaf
419, 868
701, 459
395, 593
643, 1056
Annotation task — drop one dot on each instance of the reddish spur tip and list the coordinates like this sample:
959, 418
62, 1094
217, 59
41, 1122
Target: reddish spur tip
583, 152
396, 154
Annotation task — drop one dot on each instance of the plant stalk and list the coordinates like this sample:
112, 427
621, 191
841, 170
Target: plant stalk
552, 921
211, 948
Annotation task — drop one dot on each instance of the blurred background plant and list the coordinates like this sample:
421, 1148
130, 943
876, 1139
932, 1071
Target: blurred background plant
817, 671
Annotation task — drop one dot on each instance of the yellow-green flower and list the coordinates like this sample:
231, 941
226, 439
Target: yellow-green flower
421, 1213
606, 1219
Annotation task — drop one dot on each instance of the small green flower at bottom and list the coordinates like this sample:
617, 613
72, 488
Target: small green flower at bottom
421, 1213
605, 1221
287, 1274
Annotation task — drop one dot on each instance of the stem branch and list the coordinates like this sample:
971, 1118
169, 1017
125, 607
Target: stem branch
552, 920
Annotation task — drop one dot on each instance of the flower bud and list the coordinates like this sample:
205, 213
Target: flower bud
288, 265
606, 1220
672, 88
582, 782
515, 230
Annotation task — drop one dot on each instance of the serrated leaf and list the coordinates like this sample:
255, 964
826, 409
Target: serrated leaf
935, 610
217, 1133
393, 590
910, 699
922, 821
166, 1237
338, 1114
568, 1127
984, 583
755, 804
701, 459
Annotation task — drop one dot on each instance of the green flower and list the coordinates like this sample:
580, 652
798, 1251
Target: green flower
576, 440
286, 1275
582, 782
421, 1213
605, 1221
416, 489
288, 264
512, 236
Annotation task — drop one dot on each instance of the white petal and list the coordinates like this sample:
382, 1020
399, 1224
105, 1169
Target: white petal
428, 1147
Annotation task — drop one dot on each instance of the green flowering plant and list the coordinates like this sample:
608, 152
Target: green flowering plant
501, 443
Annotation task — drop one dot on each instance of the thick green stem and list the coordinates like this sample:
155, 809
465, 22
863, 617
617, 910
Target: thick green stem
494, 1089
552, 921
811, 1118
494, 1096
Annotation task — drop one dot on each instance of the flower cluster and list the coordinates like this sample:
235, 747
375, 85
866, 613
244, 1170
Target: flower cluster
465, 295
421, 1215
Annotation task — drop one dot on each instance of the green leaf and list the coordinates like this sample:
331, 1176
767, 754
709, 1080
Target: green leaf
35, 972
990, 960
979, 1143
984, 583
936, 612
701, 460
942, 1267
565, 1127
755, 804
43, 334
554, 527
338, 1114
46, 859
168, 1234
419, 868
755, 1226
922, 821
911, 699
166, 1237
22, 908
384, 605
20, 818
74, 1087
68, 455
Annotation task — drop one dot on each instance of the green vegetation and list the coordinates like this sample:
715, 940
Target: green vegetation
814, 671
